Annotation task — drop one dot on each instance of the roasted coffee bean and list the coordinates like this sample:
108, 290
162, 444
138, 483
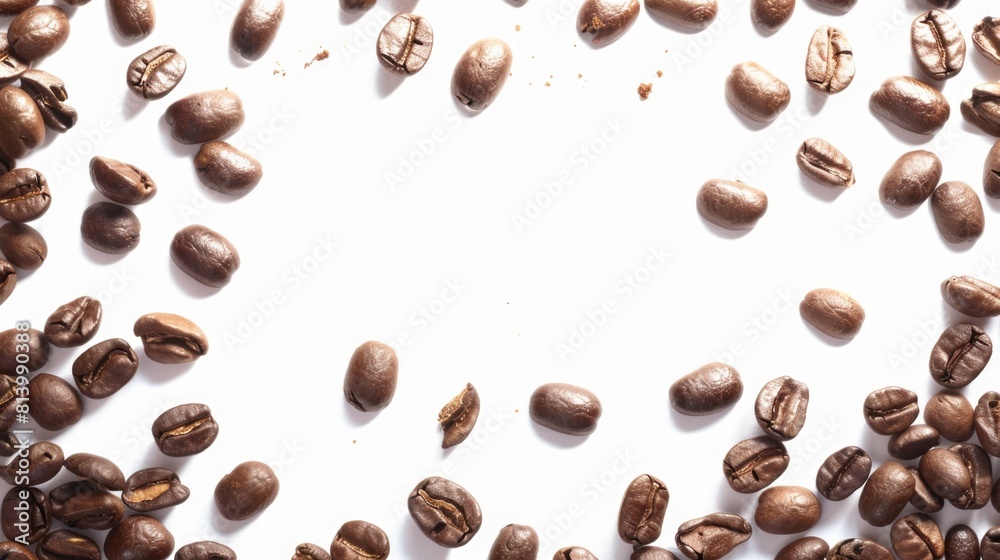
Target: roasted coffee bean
806, 548
10, 444
23, 246
991, 172
713, 536
11, 67
55, 404
74, 323
987, 420
405, 44
886, 493
50, 96
24, 128
156, 72
15, 342
890, 410
706, 390
960, 355
693, 14
958, 212
838, 5
24, 195
139, 537
843, 472
606, 20
459, 416
11, 550
924, 499
648, 553
8, 407
516, 542
784, 510
133, 19
38, 32
359, 540
24, 514
246, 491
832, 312
481, 73
67, 545
937, 44
917, 537
947, 4
226, 169
859, 549
989, 547
756, 93
154, 488
110, 228
982, 109
946, 473
207, 550
310, 551
185, 430
913, 442
910, 104
255, 27
205, 255
565, 408
951, 415
170, 339
8, 279
14, 7
574, 553
640, 517
771, 14
753, 464
781, 407
356, 6
104, 368
961, 543
121, 182
911, 179
986, 38
823, 163
967, 295
995, 495
977, 461
731, 204
445, 512
42, 463
829, 61
372, 373
81, 505
101, 472
205, 116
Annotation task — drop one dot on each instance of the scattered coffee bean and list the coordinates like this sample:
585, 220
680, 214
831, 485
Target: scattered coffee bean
24, 195
989, 547
156, 72
606, 20
74, 323
911, 105
911, 179
977, 462
647, 553
121, 182
937, 44
14, 551
110, 228
961, 543
781, 407
693, 14
640, 517
50, 96
806, 548
917, 537
995, 496
81, 505
886, 493
843, 472
706, 390
9, 442
359, 540
205, 255
823, 163
209, 550
480, 73
372, 373
945, 473
42, 463
756, 93
185, 430
987, 420
356, 6
753, 464
459, 416
104, 368
139, 537
713, 536
924, 499
154, 488
23, 246
97, 470
246, 491
960, 355
947, 4
255, 27
515, 542
133, 19
8, 409
991, 172
982, 109
226, 169
951, 414
832, 312
38, 32
310, 551
14, 7
890, 410
24, 128
11, 67
205, 116
829, 61
913, 442
565, 408
405, 44
986, 38
24, 514
838, 5
958, 212
859, 549
771, 14
55, 404
170, 339
67, 545
445, 512
12, 341
785, 510
964, 293
731, 204
8, 279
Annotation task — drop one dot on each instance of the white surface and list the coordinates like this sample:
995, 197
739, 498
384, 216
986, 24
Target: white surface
329, 135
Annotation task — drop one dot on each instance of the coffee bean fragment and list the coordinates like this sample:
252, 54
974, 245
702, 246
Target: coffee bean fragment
731, 204
756, 93
24, 195
359, 540
14, 7
937, 44
832, 312
843, 472
911, 105
8, 279
310, 551
911, 179
123, 183
646, 553
249, 489
371, 377
574, 553
964, 293
110, 228
156, 72
825, 164
991, 172
713, 536
445, 512
481, 73
565, 408
989, 547
753, 464
170, 339
11, 67
987, 420
404, 45
459, 416
706, 390
829, 61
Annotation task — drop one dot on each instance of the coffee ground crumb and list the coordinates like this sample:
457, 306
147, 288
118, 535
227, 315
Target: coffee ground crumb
321, 55
644, 90
659, 73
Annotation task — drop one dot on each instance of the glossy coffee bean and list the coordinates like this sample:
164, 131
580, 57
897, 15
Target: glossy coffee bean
206, 550
977, 462
50, 96
185, 430
706, 390
205, 116
67, 545
405, 44
640, 517
459, 416
98, 471
924, 499
156, 72
104, 368
9, 442
961, 543
989, 546
917, 537
226, 169
938, 44
843, 472
38, 32
481, 73
986, 38
170, 339
24, 128
515, 542
81, 505
960, 355
946, 473
123, 183
832, 312
991, 172
24, 514
40, 464
37, 349
983, 108
771, 14
951, 414
911, 105
249, 489
649, 553
310, 551
356, 6
731, 204
958, 212
8, 412
12, 67
785, 510
205, 255
911, 179
781, 407
139, 537
445, 512
713, 536
14, 7
23, 246
756, 93
890, 410
359, 540
753, 464
604, 21
255, 27
829, 61
858, 549
8, 279
987, 421
565, 408
372, 373
913, 442
55, 404
693, 14
822, 162
885, 494
968, 295
154, 488
806, 548
132, 19
74, 323
110, 228
24, 195
573, 553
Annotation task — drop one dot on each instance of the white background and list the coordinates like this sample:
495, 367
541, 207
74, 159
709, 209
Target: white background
447, 226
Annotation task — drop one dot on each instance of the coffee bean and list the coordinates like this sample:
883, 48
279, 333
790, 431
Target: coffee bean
640, 517
832, 312
55, 404
310, 551
756, 93
74, 323
731, 204
967, 295
944, 3
713, 536
24, 514
838, 5
911, 179
24, 128
139, 537
104, 368
859, 549
951, 415
185, 430
14, 7
991, 172
977, 462
823, 163
255, 27
781, 407
9, 442
100, 472
226, 169
205, 116
445, 512
170, 339
806, 548
133, 19
771, 14
843, 472
359, 540
11, 67
67, 545
958, 212
459, 416
574, 553
987, 420
405, 44
709, 389
784, 510
565, 408
606, 20
910, 104
372, 373
24, 195
156, 72
924, 499
110, 228
961, 543
50, 96
693, 14
154, 488
121, 182
986, 38
356, 6
246, 491
205, 255
890, 410
886, 493
38, 32
515, 542
480, 73
13, 344
989, 547
649, 553
982, 109
913, 442
42, 463
8, 279
829, 61
23, 246
995, 496
960, 355
917, 537
946, 473
81, 505
207, 550
8, 407
937, 44
753, 464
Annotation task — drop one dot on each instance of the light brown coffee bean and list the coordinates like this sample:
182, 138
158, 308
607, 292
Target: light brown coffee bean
983, 108
771, 14
991, 172
832, 312
693, 14
986, 38
170, 339
731, 204
911, 179
971, 296
958, 212
885, 494
825, 164
937, 44
785, 510
829, 61
226, 169
604, 21
756, 93
481, 73
911, 105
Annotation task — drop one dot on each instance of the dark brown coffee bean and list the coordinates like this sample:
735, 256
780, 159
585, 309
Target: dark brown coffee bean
987, 420
14, 7
517, 542
30, 342
459, 416
843, 472
781, 407
74, 323
154, 488
756, 93
445, 512
648, 553
23, 246
481, 73
859, 549
8, 279
11, 550
995, 495
210, 550
24, 514
911, 179
829, 61
223, 168
121, 182
9, 442
924, 499
693, 14
565, 408
11, 67
991, 172
40, 464
139, 537
784, 510
310, 551
823, 163
960, 355
913, 442
67, 545
731, 204
951, 415
970, 296
771, 14
372, 373
937, 44
574, 553
832, 312
170, 339
946, 473
24, 195
606, 20
185, 430
405, 44
8, 403
81, 505
713, 536
977, 462
986, 38
961, 543
133, 19
24, 128
205, 255
806, 548
983, 108
706, 390
356, 6
38, 32
958, 212
104, 368
640, 517
55, 404
989, 547
947, 4
753, 464
886, 493
890, 410
910, 104
97, 470
246, 491
917, 537
205, 116
156, 72
359, 540
255, 27
110, 228
50, 96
